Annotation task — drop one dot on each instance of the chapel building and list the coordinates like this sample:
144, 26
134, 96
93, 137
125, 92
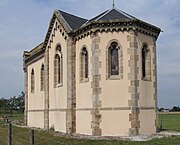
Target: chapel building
95, 77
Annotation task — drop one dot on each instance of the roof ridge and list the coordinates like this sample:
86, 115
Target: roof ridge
71, 14
96, 17
106, 12
124, 13
72, 20
60, 13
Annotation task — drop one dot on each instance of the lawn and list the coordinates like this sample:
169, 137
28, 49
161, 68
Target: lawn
20, 136
14, 116
170, 121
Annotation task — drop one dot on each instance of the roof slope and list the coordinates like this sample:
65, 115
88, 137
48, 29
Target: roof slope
112, 14
74, 21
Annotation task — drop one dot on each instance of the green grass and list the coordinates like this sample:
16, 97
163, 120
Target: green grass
20, 136
170, 121
15, 116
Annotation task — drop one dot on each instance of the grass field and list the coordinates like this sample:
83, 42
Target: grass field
170, 121
20, 136
15, 115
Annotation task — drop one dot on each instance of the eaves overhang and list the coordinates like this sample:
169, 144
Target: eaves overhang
119, 25
33, 55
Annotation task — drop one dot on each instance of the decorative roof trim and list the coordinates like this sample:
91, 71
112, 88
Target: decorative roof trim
62, 20
49, 30
134, 24
33, 59
31, 56
28, 55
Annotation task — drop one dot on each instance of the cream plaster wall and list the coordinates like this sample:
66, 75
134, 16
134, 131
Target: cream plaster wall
83, 89
115, 123
146, 88
36, 99
146, 98
57, 120
83, 122
147, 121
57, 95
36, 119
114, 92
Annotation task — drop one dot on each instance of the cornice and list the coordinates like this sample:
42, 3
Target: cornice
33, 55
111, 26
33, 59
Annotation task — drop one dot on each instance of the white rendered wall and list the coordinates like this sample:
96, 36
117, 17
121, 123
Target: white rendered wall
114, 92
147, 90
115, 123
58, 95
83, 91
147, 122
36, 99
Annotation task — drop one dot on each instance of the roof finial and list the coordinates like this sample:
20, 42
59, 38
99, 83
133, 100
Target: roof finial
113, 4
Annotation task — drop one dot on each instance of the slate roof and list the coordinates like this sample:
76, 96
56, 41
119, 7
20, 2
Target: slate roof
74, 22
112, 14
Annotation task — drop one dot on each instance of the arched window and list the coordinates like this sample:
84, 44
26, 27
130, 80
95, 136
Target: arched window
146, 63
32, 81
42, 77
114, 59
58, 68
84, 64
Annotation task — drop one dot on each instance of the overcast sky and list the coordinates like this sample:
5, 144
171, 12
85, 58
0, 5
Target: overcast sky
24, 23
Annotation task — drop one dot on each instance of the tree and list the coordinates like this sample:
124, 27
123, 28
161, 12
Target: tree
175, 109
20, 102
15, 103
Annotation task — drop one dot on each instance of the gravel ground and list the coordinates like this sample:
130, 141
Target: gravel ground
157, 135
134, 138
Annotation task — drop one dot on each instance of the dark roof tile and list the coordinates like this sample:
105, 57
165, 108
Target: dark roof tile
113, 14
73, 21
